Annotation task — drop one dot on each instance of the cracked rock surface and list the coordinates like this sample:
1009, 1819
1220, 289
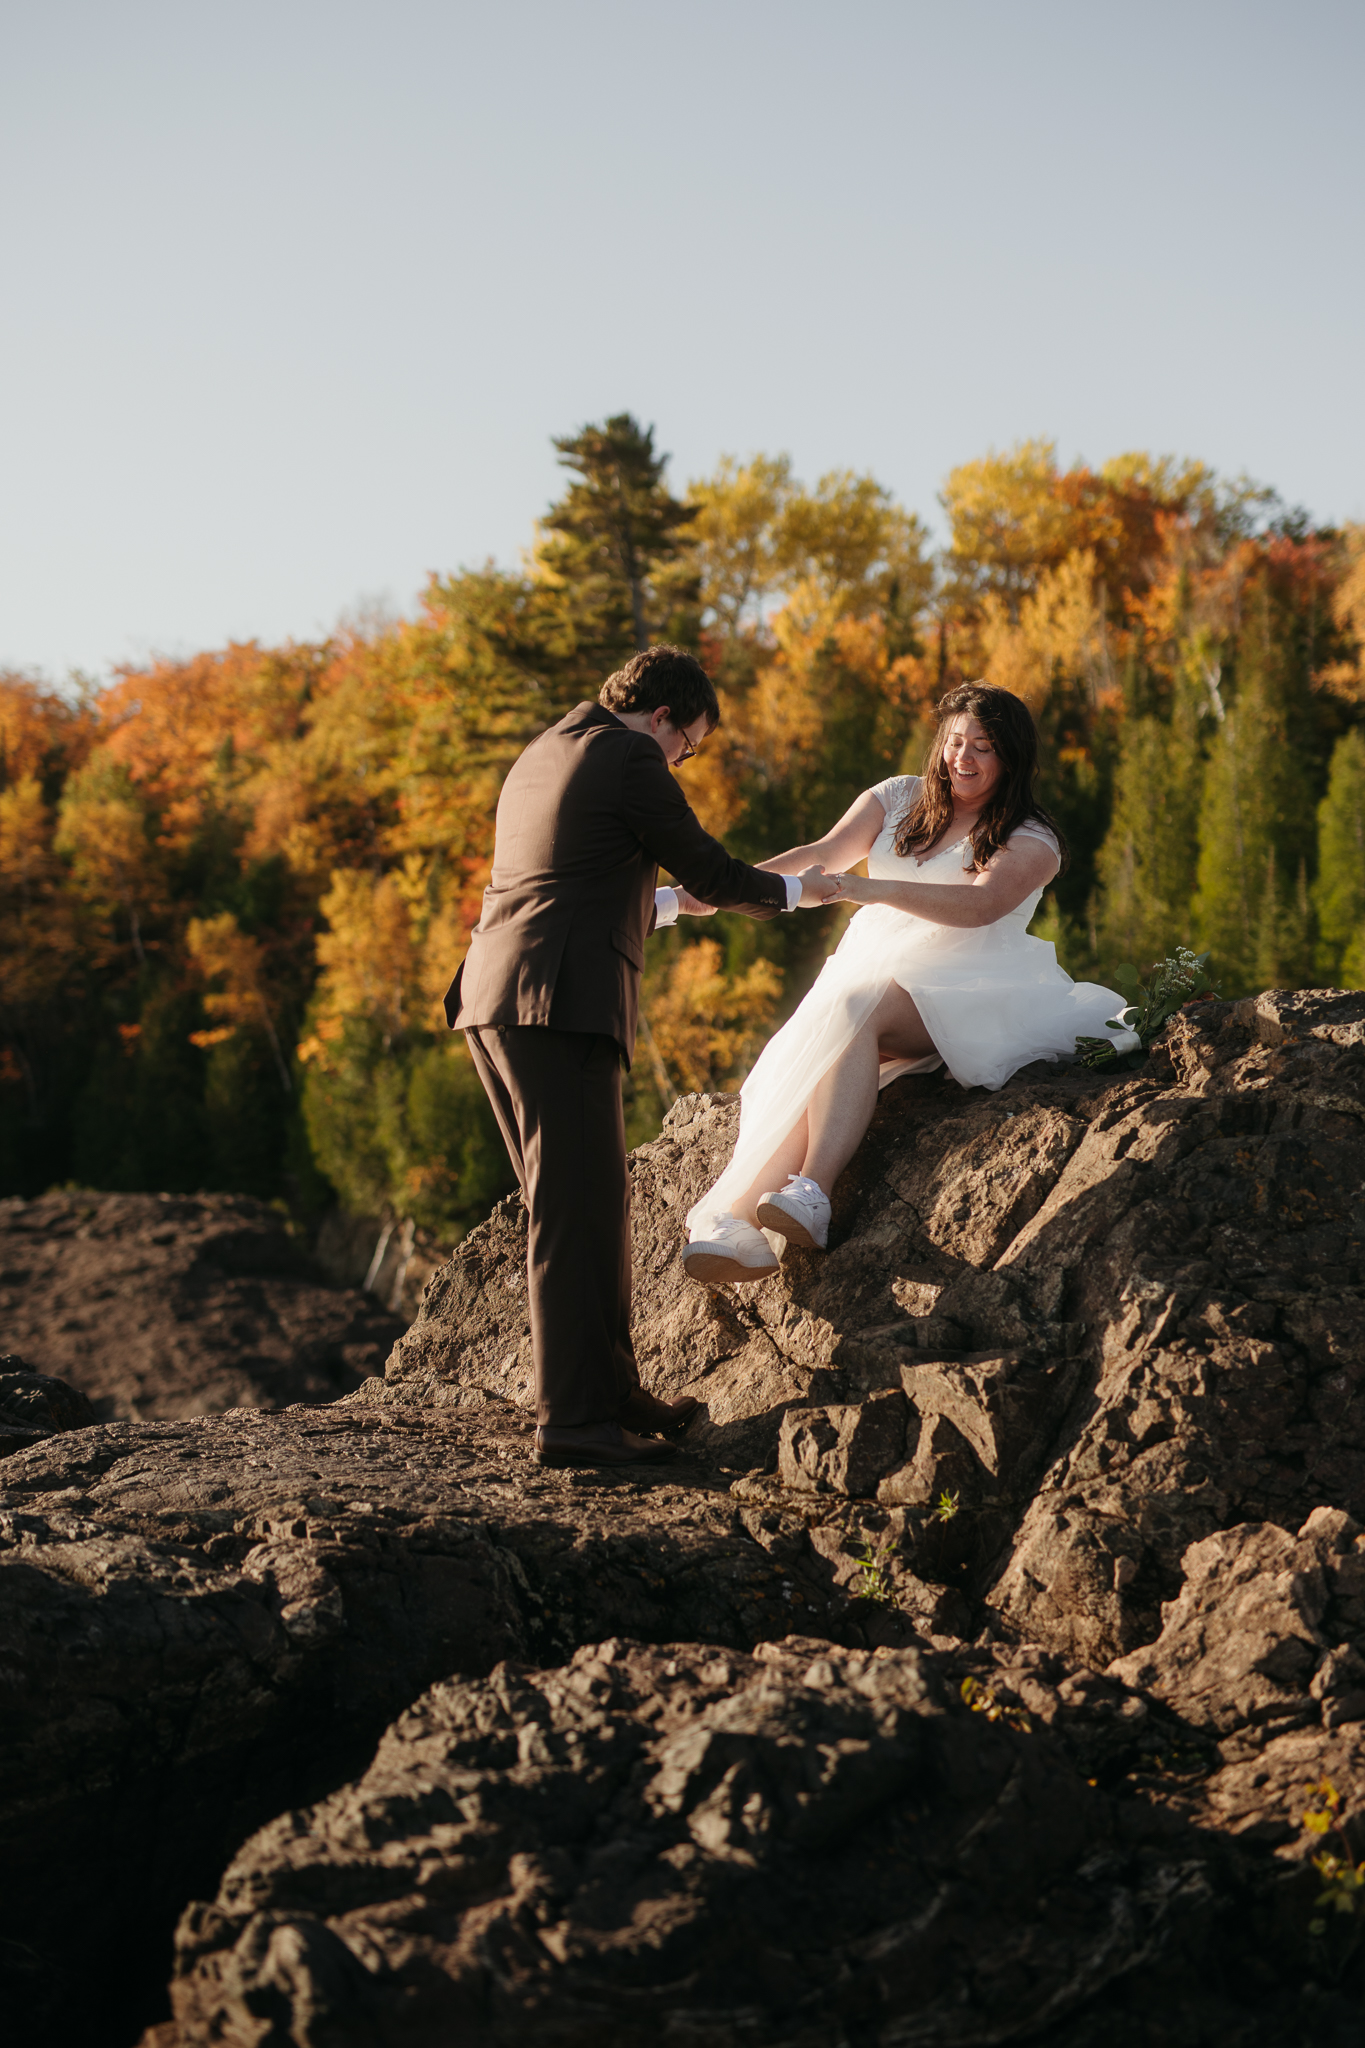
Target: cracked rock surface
207, 1620
170, 1305
1069, 1415
1122, 1315
673, 1842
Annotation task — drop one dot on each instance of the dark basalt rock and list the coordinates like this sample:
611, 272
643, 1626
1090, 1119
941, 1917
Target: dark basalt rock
206, 1621
806, 1845
1080, 1380
675, 1843
34, 1406
171, 1305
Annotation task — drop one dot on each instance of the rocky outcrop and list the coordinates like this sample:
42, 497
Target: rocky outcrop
210, 1620
804, 1844
1067, 1416
34, 1406
171, 1305
1262, 1638
391, 1257
1091, 1322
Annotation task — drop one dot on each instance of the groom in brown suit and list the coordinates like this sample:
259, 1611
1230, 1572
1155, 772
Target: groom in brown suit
548, 998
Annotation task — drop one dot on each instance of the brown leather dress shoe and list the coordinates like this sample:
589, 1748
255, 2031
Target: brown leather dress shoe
597, 1443
643, 1411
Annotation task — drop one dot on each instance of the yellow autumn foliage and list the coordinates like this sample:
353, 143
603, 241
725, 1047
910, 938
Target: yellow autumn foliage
1057, 629
708, 1026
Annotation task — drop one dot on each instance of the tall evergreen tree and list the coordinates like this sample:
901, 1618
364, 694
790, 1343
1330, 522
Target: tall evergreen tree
1284, 931
1339, 893
1149, 854
1257, 803
615, 548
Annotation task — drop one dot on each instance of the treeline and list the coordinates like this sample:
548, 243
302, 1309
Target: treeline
235, 887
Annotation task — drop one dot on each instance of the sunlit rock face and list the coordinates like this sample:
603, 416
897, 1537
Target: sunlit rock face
1119, 1316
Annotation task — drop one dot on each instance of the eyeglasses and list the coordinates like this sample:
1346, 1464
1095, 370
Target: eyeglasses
689, 752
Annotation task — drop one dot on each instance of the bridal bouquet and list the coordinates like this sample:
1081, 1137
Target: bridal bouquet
1171, 983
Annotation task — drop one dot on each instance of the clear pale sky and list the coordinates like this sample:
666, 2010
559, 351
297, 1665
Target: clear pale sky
295, 292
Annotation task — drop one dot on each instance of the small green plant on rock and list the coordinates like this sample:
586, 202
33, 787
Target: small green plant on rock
1181, 978
946, 1506
874, 1578
982, 1700
1343, 1879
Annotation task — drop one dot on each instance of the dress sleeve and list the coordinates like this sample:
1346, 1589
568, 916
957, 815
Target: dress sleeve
1034, 828
896, 794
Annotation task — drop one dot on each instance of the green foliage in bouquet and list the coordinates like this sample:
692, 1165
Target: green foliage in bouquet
1182, 978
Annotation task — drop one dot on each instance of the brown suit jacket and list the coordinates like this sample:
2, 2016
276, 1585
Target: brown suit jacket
586, 817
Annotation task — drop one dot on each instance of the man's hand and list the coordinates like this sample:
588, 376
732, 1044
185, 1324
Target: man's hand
817, 888
692, 906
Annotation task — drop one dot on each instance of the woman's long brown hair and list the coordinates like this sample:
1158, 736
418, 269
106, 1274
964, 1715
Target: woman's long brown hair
1009, 726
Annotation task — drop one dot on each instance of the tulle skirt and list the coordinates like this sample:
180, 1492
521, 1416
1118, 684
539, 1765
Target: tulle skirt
992, 999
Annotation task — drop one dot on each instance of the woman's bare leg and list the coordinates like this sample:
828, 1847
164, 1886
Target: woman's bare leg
842, 1105
776, 1173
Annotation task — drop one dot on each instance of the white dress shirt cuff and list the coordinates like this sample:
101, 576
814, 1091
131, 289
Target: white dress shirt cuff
665, 907
793, 883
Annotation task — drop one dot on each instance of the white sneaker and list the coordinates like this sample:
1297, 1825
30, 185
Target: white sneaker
800, 1213
725, 1248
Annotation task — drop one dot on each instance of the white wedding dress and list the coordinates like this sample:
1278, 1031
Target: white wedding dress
991, 997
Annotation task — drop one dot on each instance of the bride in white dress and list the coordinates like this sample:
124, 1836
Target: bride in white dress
937, 969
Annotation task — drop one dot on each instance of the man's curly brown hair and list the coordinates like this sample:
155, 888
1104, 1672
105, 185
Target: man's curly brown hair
668, 676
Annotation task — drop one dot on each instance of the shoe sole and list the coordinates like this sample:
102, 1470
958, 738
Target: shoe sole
771, 1217
559, 1460
714, 1268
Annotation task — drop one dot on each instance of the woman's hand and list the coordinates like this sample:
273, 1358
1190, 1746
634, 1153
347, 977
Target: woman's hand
690, 905
852, 889
817, 889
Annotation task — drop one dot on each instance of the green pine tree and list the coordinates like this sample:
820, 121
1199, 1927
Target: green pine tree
1284, 931
1257, 801
615, 549
1339, 893
1147, 861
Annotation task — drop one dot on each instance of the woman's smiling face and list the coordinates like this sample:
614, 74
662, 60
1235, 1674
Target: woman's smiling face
973, 767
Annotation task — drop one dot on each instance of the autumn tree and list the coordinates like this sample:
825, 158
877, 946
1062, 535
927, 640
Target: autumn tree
38, 951
232, 963
760, 536
395, 1113
703, 1026
109, 837
233, 887
43, 732
739, 540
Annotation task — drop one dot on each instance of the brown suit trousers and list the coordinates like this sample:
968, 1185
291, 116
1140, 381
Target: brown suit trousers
557, 1098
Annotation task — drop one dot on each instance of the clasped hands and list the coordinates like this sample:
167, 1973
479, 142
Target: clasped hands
817, 889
